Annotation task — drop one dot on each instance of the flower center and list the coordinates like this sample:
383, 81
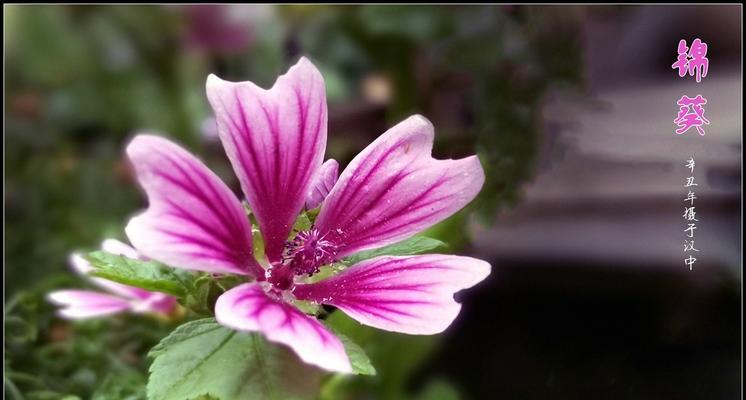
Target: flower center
308, 251
305, 254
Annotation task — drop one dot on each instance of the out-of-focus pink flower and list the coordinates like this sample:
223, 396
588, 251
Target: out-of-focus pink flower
79, 304
275, 140
209, 130
222, 28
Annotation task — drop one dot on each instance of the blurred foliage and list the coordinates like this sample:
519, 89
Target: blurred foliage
81, 79
479, 73
47, 358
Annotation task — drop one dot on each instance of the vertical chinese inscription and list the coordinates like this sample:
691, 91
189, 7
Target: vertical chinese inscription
692, 61
690, 216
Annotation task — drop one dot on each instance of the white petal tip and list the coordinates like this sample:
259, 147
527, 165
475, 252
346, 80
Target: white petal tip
419, 120
213, 80
79, 263
57, 298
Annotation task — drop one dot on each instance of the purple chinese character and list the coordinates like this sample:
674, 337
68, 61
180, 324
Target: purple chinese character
691, 114
692, 60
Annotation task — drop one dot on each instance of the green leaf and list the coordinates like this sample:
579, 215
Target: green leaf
256, 235
302, 223
308, 307
258, 242
395, 355
148, 275
207, 288
203, 358
313, 213
414, 245
326, 271
361, 364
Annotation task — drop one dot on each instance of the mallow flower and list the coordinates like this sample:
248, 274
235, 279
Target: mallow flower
275, 141
81, 304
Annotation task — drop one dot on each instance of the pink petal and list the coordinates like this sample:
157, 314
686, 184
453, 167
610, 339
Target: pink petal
193, 221
158, 303
78, 304
248, 308
275, 140
411, 294
395, 189
323, 183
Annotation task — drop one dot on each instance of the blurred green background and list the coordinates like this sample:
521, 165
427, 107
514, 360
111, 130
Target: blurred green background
81, 80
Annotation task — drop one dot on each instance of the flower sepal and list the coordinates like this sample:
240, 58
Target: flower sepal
195, 291
149, 275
